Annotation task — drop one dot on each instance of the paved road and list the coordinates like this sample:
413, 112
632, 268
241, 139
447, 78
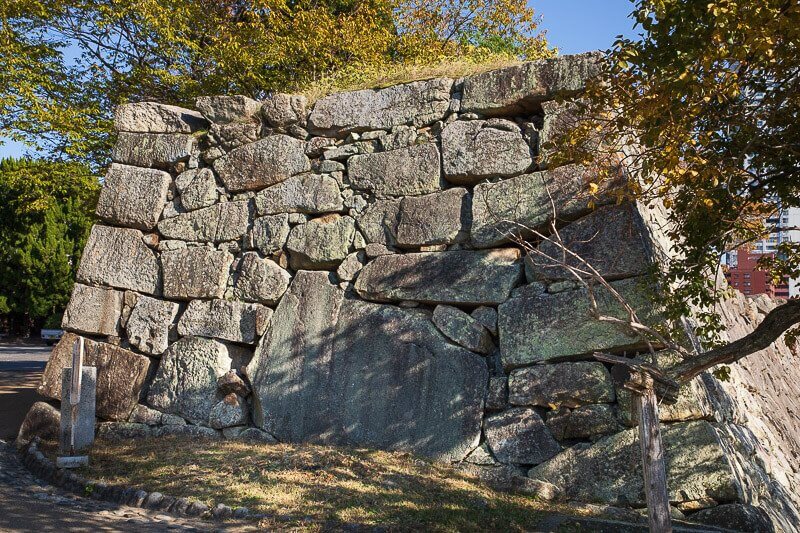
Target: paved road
21, 368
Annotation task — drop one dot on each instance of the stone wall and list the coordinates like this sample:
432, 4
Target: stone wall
342, 273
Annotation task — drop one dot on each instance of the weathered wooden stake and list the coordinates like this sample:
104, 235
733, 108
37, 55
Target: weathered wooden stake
654, 463
646, 384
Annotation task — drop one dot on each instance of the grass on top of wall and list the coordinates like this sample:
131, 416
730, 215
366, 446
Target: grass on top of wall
310, 487
373, 77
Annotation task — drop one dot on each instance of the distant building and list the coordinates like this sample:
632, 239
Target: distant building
743, 274
782, 221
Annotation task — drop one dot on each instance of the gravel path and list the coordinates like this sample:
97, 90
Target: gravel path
26, 505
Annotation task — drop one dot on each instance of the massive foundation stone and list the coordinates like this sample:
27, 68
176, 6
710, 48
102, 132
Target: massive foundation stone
302, 370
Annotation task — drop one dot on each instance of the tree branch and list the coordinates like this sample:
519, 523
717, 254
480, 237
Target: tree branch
778, 321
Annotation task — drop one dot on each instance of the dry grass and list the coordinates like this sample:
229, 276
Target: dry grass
388, 75
309, 487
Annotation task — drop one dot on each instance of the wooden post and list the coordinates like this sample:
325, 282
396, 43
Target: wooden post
654, 463
646, 384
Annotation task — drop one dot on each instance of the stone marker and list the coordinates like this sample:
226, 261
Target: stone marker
465, 277
83, 430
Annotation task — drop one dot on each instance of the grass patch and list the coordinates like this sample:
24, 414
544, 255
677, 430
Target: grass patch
308, 486
372, 77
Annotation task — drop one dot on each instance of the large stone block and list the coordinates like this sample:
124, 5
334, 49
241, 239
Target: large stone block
536, 326
309, 193
152, 117
419, 103
149, 323
281, 110
93, 310
121, 375
516, 206
157, 150
222, 319
262, 163
260, 280
133, 196
185, 383
477, 149
438, 218
119, 258
567, 384
404, 172
462, 329
269, 233
587, 422
464, 277
610, 470
195, 272
522, 88
197, 188
303, 376
228, 109
321, 243
378, 222
612, 239
519, 436
227, 221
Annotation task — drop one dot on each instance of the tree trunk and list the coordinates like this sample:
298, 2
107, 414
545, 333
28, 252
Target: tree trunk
653, 462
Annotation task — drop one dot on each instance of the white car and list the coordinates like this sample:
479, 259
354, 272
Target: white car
51, 336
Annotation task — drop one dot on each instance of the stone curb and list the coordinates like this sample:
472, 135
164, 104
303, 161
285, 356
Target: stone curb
43, 468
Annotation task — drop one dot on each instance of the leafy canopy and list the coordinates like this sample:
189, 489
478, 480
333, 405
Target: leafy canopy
65, 64
46, 211
711, 95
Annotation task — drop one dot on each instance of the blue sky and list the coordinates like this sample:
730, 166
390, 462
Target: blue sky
573, 26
